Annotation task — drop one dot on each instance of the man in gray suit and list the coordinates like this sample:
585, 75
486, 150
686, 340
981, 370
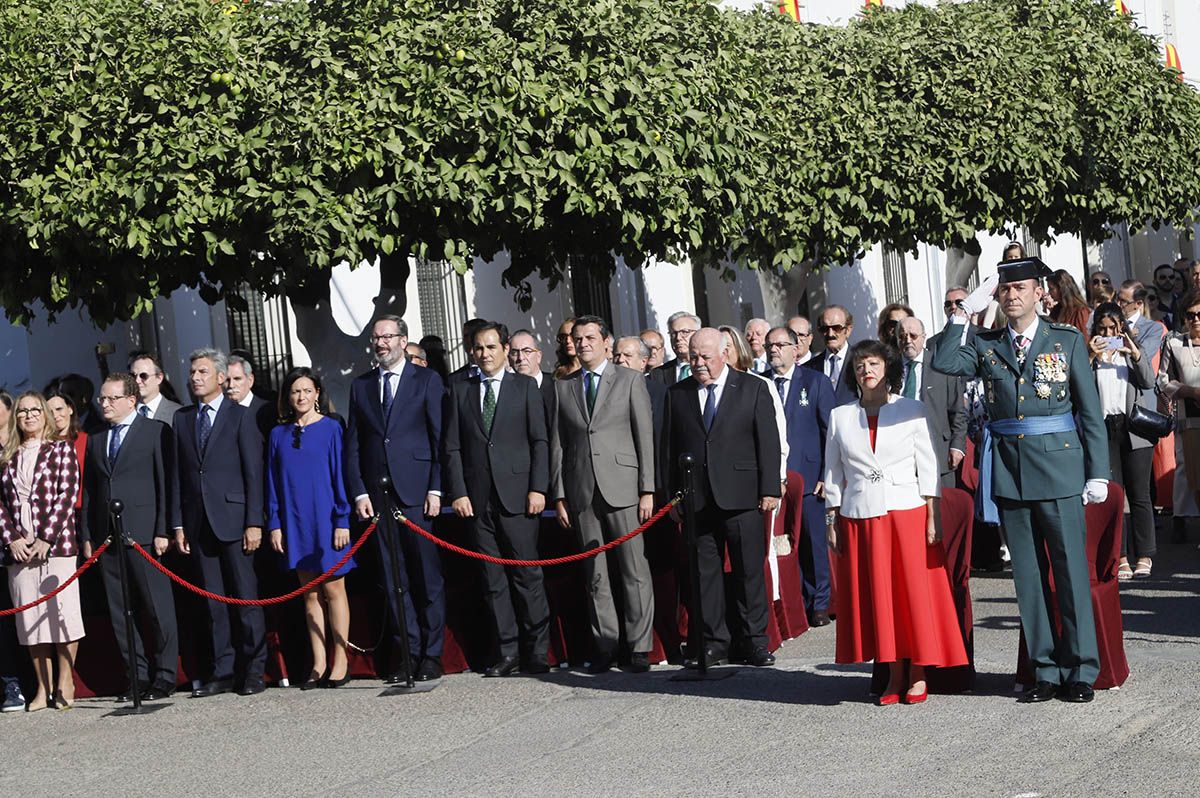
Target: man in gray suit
942, 395
147, 371
602, 480
1147, 333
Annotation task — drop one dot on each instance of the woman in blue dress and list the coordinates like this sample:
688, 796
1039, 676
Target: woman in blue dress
308, 514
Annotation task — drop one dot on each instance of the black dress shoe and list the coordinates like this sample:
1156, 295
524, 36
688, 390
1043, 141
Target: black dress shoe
711, 657
507, 666
536, 666
333, 684
313, 684
600, 665
1042, 691
760, 658
398, 676
158, 691
253, 686
430, 669
215, 687
639, 662
1077, 692
819, 618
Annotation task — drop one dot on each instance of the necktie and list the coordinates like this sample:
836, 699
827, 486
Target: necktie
145, 411
114, 443
590, 391
489, 406
685, 371
710, 406
910, 380
388, 394
1019, 341
781, 386
203, 427
833, 369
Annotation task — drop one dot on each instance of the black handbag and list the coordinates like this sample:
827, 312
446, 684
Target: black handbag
1149, 424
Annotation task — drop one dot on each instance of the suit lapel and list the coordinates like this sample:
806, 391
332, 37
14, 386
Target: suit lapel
219, 423
374, 398
604, 388
1004, 350
98, 442
132, 434
576, 383
474, 402
728, 395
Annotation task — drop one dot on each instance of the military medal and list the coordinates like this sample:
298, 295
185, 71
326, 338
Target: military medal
1043, 390
1050, 367
804, 397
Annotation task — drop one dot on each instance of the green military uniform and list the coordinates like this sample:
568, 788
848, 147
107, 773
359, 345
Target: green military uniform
1038, 480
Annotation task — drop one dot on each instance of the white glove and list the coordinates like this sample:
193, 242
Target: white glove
1095, 491
981, 297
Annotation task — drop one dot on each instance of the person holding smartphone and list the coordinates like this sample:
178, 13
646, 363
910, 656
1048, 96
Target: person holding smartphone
1122, 374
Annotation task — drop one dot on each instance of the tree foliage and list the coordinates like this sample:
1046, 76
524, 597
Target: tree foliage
148, 144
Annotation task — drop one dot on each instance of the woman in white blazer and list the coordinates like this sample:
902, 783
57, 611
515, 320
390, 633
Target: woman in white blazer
881, 492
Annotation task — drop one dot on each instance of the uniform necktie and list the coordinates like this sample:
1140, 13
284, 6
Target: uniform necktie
1019, 341
710, 406
685, 371
590, 391
203, 427
781, 386
114, 443
489, 406
910, 380
145, 411
388, 394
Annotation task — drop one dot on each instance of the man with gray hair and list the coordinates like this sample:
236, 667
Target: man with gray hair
217, 514
680, 327
756, 336
632, 352
239, 387
802, 328
656, 344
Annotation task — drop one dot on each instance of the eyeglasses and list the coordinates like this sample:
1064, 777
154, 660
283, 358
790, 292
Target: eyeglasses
29, 411
1101, 281
385, 337
779, 344
683, 333
804, 334
143, 376
951, 304
297, 431
526, 352
834, 328
1189, 315
1125, 302
108, 400
903, 336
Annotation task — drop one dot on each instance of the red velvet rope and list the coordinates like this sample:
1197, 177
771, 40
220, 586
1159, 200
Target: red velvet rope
86, 565
267, 602
583, 555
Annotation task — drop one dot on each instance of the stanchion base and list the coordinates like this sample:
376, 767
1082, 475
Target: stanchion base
144, 709
418, 687
710, 675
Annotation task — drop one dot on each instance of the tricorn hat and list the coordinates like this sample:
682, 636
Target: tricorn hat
1012, 271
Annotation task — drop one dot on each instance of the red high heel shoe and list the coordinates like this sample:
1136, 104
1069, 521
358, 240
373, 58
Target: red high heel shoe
916, 698
887, 699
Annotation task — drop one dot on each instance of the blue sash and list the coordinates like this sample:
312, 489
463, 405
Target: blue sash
985, 504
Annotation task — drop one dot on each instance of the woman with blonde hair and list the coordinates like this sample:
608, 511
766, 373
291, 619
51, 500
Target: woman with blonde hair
39, 483
740, 358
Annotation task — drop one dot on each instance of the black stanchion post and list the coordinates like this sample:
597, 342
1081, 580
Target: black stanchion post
687, 464
116, 507
389, 507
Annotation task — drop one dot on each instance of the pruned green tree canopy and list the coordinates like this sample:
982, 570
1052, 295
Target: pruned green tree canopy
149, 144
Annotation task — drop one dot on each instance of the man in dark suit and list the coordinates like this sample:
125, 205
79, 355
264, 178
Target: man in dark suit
152, 404
681, 327
132, 463
497, 473
525, 357
470, 368
942, 396
807, 399
726, 419
217, 513
835, 325
633, 352
240, 388
394, 430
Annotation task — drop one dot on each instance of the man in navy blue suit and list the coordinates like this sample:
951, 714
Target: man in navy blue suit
217, 515
395, 422
807, 399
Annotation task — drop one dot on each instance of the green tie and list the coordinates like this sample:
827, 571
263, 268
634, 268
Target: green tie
910, 380
592, 380
489, 407
685, 371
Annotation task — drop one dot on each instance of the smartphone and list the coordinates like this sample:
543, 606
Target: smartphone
1114, 343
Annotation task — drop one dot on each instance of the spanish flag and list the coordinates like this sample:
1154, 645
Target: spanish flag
1121, 9
870, 3
791, 8
1172, 60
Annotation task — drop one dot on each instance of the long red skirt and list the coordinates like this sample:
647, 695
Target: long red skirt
893, 599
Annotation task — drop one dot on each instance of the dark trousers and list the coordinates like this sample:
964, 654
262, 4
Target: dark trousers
12, 659
742, 532
226, 569
513, 537
420, 575
1131, 468
813, 555
149, 591
1049, 537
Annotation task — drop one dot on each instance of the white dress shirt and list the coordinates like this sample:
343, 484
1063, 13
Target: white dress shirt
807, 357
702, 393
496, 381
397, 369
112, 430
1028, 335
598, 371
153, 405
787, 384
247, 399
